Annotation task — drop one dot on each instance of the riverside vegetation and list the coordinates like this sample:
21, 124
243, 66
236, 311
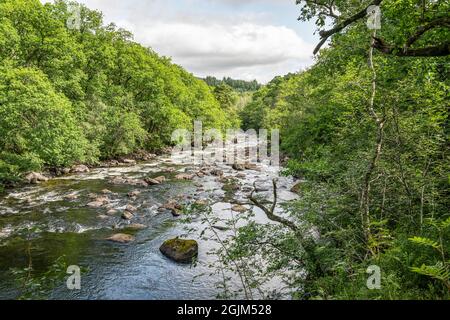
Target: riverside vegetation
366, 129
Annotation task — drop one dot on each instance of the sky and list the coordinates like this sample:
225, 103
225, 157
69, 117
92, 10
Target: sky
242, 39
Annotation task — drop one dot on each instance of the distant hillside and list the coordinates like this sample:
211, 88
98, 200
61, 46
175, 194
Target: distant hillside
239, 85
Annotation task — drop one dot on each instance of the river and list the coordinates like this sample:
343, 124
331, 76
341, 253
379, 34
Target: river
40, 223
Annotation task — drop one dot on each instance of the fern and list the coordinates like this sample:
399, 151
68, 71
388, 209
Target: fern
439, 271
425, 242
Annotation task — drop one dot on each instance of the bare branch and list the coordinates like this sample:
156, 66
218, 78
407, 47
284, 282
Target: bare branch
270, 212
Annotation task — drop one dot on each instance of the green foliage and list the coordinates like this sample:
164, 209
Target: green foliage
238, 85
440, 270
330, 138
39, 286
61, 88
37, 125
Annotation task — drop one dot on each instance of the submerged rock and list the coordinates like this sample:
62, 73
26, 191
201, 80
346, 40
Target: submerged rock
180, 250
35, 177
121, 238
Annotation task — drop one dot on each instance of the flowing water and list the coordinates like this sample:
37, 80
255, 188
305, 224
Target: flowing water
40, 223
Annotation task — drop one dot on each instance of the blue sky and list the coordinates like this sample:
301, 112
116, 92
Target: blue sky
243, 39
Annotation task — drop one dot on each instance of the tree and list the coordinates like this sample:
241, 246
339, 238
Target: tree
410, 28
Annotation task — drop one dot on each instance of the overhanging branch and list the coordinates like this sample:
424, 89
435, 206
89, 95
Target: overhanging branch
325, 34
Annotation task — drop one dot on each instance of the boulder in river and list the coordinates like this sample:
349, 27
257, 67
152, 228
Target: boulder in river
97, 203
65, 170
160, 179
81, 168
132, 182
111, 212
174, 207
35, 177
250, 166
152, 182
184, 176
217, 172
127, 215
130, 208
134, 193
238, 167
239, 208
129, 161
121, 238
201, 202
180, 250
72, 196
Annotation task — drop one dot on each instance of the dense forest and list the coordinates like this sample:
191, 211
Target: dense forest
365, 130
238, 85
79, 95
367, 127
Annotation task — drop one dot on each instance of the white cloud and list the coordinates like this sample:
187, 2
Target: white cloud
243, 50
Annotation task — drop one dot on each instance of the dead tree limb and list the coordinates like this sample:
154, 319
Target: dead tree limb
270, 211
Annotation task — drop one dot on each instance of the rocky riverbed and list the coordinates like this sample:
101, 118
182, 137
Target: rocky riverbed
112, 221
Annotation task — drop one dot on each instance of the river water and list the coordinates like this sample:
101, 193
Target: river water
40, 223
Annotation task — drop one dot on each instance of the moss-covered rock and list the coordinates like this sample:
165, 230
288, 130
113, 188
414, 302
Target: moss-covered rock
180, 250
